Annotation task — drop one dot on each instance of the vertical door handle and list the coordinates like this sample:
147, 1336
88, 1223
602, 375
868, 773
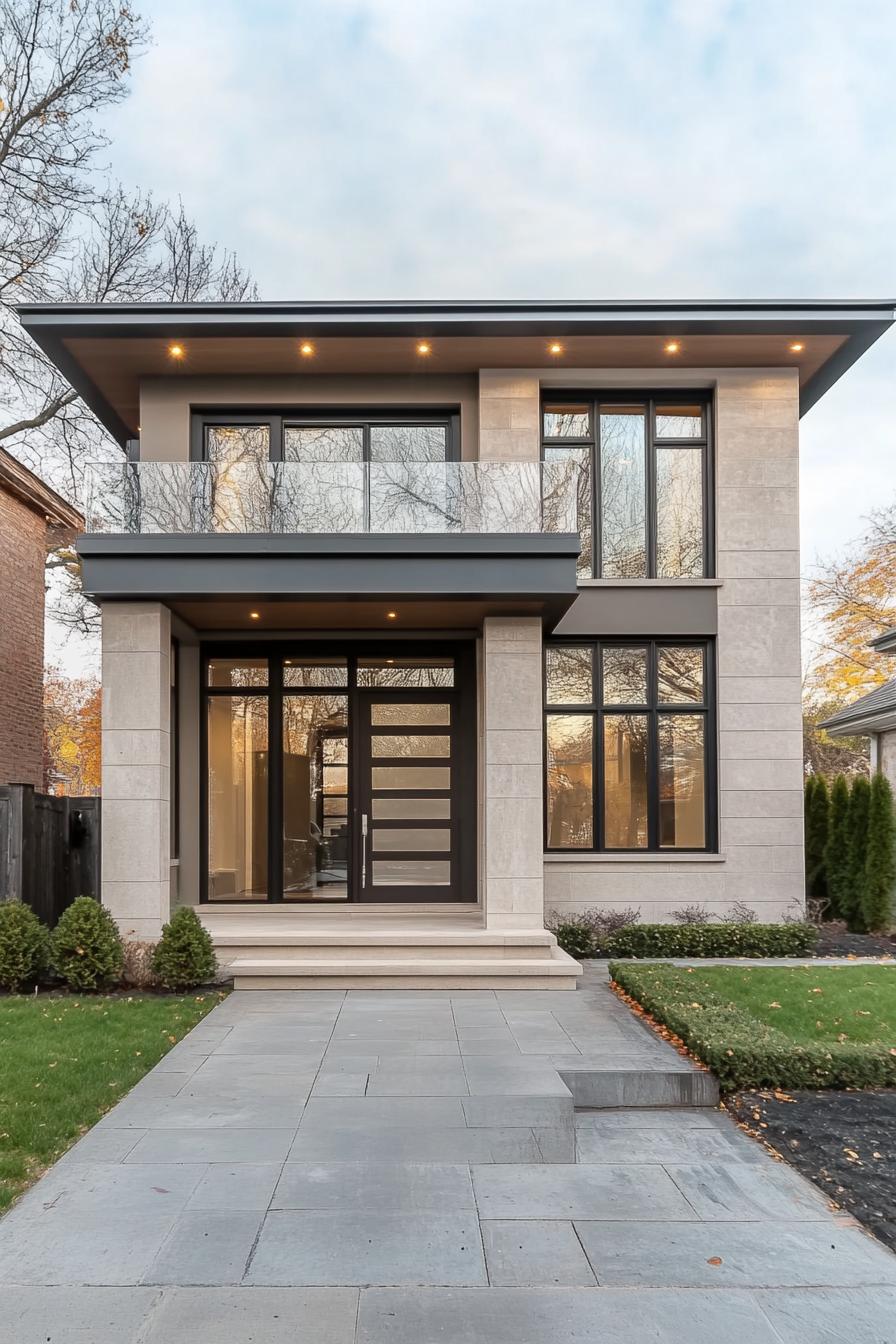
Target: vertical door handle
363, 849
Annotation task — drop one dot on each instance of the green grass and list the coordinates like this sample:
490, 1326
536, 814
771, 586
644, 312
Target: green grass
811, 1003
763, 1026
65, 1061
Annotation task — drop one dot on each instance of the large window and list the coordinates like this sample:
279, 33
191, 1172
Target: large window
629, 758
230, 439
645, 506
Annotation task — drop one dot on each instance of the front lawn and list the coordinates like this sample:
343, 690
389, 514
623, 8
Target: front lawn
786, 1027
65, 1061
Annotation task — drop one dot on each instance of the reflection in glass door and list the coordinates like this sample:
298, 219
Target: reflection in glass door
407, 821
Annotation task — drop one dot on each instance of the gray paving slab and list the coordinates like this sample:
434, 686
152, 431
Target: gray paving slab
748, 1192
252, 1316
246, 1187
427, 1144
368, 1186
654, 1117
73, 1315
496, 1075
559, 1316
347, 1248
206, 1247
370, 1113
438, 1076
665, 1145
521, 1254
216, 1144
563, 1190
734, 1255
104, 1144
113, 1247
831, 1315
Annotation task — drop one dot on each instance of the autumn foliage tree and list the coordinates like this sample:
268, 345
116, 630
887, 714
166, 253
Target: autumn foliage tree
72, 711
853, 600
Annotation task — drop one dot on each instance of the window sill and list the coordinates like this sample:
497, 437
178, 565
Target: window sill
578, 856
651, 583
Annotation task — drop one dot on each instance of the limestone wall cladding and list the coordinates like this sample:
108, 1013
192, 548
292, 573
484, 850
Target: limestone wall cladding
136, 751
758, 649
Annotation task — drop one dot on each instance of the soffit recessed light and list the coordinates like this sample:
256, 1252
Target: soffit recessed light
424, 348
555, 348
392, 615
256, 615
176, 351
797, 347
672, 347
306, 349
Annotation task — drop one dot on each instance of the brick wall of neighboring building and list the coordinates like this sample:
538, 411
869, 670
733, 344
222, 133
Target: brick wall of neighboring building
22, 546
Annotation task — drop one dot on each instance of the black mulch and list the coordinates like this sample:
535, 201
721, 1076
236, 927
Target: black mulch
835, 941
843, 1141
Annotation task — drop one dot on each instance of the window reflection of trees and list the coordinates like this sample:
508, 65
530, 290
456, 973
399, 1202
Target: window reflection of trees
623, 495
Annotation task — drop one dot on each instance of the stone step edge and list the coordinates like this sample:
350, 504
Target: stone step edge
384, 938
558, 964
619, 1089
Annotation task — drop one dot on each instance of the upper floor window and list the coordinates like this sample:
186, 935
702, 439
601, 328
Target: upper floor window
647, 513
308, 436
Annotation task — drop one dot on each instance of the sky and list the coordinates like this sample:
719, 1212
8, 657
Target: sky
584, 149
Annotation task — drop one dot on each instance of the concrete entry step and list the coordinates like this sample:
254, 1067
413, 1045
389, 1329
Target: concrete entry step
554, 970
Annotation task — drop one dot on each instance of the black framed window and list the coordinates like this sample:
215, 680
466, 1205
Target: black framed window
406, 434
630, 762
645, 511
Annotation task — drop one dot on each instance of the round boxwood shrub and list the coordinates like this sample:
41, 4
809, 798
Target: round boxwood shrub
85, 946
185, 956
24, 946
575, 939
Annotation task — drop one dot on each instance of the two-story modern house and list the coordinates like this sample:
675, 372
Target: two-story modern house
421, 620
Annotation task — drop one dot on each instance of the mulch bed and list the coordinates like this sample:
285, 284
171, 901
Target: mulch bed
843, 1141
835, 941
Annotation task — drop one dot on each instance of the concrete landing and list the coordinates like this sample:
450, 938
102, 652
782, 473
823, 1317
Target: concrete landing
363, 1167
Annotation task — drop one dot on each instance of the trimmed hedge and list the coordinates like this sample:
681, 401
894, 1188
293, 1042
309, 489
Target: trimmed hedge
714, 940
740, 1050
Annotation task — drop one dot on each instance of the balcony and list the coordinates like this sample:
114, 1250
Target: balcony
298, 498
335, 543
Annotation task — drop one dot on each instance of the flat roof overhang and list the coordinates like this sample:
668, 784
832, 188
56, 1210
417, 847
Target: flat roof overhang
336, 581
104, 350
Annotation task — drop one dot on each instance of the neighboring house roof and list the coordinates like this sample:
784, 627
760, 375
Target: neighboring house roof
873, 713
17, 480
105, 349
885, 643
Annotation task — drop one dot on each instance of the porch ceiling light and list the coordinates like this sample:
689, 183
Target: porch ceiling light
555, 348
176, 351
392, 615
796, 347
256, 615
672, 347
306, 349
424, 348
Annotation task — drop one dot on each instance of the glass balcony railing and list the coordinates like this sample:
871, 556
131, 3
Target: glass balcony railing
296, 497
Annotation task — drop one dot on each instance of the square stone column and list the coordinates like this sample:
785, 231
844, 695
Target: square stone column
512, 825
136, 750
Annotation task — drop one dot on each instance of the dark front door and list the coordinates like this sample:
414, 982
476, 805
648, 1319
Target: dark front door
412, 819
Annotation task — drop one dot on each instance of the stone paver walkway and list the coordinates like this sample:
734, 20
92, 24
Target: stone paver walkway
362, 1167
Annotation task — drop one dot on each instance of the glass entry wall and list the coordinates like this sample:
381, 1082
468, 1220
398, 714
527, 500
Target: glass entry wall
339, 776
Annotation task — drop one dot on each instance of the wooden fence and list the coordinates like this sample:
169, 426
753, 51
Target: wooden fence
49, 849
